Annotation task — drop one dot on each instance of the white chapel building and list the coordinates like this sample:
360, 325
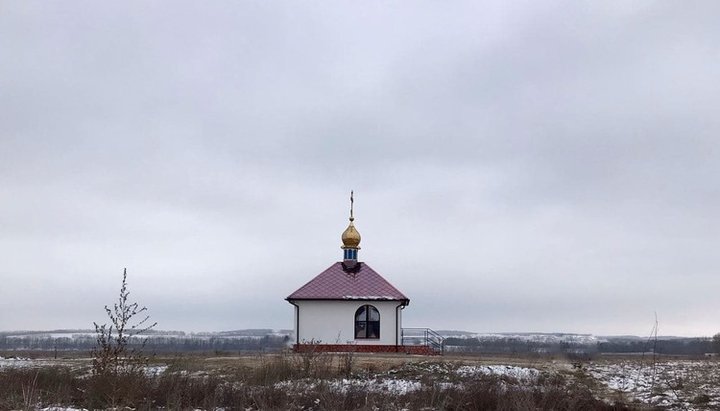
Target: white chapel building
349, 306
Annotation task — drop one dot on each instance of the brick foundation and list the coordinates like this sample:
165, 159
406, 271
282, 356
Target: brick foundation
407, 349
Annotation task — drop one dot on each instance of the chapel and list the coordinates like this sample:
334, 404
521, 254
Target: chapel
349, 306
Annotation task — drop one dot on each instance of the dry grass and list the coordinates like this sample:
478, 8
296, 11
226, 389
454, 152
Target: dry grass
286, 381
24, 388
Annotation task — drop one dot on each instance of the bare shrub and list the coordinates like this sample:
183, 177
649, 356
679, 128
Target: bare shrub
314, 363
114, 352
346, 362
118, 362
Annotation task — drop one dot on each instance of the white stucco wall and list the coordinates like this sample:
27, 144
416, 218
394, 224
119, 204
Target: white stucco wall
333, 322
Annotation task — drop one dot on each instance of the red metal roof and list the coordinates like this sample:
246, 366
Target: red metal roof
341, 283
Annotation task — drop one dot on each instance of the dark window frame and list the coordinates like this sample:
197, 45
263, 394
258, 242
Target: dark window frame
364, 325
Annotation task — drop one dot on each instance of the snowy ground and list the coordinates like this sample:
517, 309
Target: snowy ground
520, 373
672, 385
391, 386
74, 364
676, 385
666, 384
413, 377
22, 362
17, 362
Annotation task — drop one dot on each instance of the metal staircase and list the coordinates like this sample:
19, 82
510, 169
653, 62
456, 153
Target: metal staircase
423, 337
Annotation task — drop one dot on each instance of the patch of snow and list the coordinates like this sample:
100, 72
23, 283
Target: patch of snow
520, 373
390, 386
368, 297
155, 370
17, 362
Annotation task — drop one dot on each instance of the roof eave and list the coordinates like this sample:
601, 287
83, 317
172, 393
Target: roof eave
405, 301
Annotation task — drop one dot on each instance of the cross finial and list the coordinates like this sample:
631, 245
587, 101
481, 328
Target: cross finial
351, 206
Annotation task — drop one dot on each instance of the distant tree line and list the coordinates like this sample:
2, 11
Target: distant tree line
515, 346
244, 341
675, 346
154, 343
679, 346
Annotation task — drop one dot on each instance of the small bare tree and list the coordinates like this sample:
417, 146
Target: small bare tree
118, 356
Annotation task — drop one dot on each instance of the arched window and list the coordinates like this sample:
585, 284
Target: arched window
367, 323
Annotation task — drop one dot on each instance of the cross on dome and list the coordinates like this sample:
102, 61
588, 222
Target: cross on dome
350, 237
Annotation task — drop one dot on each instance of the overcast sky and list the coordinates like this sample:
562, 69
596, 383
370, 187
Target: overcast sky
518, 166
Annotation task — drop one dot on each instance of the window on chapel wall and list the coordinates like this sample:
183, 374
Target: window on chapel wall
367, 323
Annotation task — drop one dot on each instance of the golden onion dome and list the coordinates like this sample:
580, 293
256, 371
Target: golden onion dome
351, 236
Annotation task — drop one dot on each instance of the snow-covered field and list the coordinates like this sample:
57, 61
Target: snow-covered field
676, 384
414, 377
672, 385
665, 384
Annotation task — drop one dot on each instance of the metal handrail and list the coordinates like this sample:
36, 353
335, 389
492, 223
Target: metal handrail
427, 336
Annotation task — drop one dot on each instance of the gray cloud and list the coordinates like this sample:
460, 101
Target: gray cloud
543, 167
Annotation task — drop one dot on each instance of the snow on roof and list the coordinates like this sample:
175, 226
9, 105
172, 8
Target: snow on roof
341, 283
